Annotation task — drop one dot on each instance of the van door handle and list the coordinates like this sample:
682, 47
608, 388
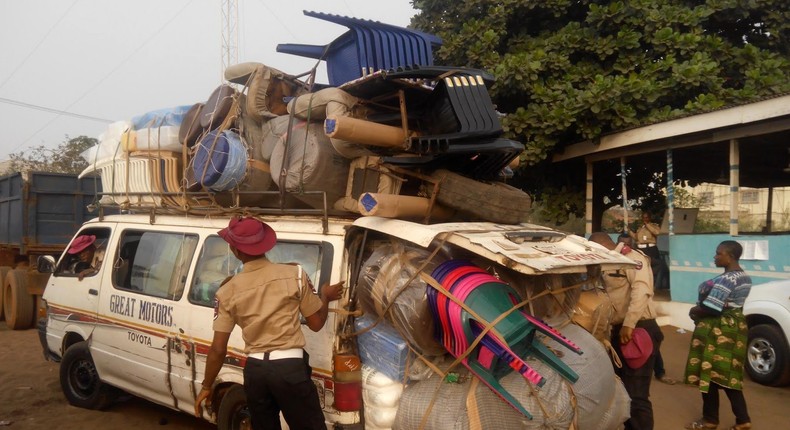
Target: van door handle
93, 292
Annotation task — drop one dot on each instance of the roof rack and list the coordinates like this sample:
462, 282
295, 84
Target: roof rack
203, 204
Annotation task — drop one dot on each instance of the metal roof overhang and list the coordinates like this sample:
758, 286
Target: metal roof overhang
762, 128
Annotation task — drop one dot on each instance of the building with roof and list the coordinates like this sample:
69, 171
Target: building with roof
737, 162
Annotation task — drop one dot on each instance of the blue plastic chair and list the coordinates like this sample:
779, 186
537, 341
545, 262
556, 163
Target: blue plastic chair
367, 47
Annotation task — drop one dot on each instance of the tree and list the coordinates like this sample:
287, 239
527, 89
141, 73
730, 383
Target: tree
573, 70
63, 159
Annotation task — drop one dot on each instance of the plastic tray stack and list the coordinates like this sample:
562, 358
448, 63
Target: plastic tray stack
142, 177
367, 47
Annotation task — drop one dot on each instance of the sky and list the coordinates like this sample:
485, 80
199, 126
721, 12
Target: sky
71, 67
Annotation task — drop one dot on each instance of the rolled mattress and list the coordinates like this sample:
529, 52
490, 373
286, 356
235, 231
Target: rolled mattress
307, 162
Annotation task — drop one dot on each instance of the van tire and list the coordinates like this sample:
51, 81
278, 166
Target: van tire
495, 201
18, 304
233, 413
3, 272
80, 380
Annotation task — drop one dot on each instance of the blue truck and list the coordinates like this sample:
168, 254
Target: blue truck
39, 213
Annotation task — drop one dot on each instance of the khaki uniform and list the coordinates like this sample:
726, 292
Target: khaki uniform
646, 235
265, 300
631, 291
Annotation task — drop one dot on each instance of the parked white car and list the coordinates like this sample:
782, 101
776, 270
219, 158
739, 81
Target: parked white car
767, 311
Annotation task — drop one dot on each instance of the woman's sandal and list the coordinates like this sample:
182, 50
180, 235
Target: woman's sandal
744, 426
702, 424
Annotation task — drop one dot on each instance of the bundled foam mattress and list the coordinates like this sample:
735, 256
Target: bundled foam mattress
303, 159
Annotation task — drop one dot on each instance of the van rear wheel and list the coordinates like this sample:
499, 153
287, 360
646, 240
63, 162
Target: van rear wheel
80, 380
18, 304
233, 412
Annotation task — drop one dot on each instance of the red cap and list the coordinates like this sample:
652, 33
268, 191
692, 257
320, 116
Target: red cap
638, 350
80, 243
249, 235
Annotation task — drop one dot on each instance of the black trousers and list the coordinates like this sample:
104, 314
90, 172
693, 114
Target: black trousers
710, 404
282, 385
637, 381
659, 369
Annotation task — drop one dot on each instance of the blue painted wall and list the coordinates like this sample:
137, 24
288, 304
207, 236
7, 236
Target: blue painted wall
691, 261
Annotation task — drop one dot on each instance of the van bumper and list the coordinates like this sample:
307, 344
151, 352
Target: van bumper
42, 337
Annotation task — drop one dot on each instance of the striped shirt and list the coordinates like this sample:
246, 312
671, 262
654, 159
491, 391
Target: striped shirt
728, 290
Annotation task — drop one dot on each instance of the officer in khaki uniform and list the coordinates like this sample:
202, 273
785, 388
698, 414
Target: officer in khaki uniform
646, 237
265, 300
631, 293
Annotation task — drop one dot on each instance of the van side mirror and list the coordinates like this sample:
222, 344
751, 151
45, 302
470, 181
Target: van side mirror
45, 264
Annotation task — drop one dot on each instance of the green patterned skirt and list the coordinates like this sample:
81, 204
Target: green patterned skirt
718, 351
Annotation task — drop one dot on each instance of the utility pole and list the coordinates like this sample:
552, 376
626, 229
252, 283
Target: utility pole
230, 35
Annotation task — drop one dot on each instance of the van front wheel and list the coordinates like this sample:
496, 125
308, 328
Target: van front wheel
233, 413
80, 381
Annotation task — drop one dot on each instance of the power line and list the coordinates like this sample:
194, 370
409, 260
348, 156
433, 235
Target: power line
278, 19
35, 48
100, 81
57, 111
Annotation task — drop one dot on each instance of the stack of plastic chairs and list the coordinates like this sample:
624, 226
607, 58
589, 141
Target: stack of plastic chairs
505, 347
367, 47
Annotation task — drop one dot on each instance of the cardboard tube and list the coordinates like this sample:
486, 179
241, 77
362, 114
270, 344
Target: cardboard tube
364, 132
514, 163
397, 206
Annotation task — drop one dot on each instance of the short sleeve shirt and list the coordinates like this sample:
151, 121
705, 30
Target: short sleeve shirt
631, 291
728, 290
265, 300
646, 235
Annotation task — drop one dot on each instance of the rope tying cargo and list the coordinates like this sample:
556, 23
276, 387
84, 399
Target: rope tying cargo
236, 167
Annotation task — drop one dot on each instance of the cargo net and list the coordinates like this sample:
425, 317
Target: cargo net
397, 338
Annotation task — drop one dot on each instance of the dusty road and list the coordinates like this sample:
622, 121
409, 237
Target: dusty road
30, 396
676, 405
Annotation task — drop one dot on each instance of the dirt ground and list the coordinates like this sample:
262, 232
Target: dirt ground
30, 396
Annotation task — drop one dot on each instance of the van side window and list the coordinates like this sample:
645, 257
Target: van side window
217, 262
308, 255
154, 263
89, 260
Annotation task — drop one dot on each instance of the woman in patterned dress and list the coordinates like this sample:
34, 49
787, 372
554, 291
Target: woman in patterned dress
718, 345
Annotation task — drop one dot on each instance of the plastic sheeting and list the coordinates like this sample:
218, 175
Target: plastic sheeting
600, 404
309, 163
388, 278
161, 117
594, 311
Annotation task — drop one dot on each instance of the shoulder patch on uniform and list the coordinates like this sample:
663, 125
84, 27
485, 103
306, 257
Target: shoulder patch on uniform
638, 265
216, 307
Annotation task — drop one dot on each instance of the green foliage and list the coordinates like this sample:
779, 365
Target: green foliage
569, 71
63, 159
710, 225
556, 207
682, 198
572, 70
